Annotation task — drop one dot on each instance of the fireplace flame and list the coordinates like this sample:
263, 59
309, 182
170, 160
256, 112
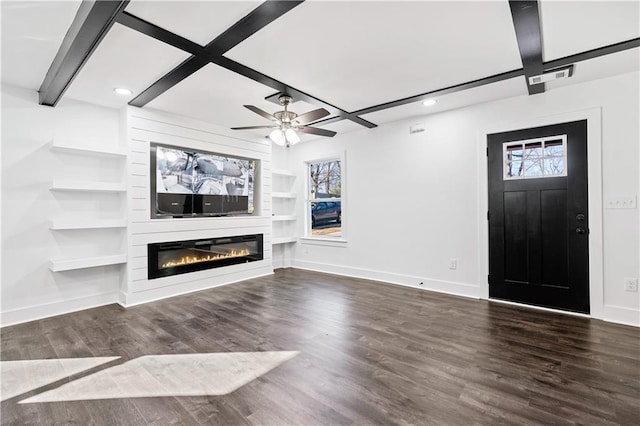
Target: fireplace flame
188, 260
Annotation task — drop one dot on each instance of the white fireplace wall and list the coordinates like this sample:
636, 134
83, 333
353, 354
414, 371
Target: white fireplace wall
146, 126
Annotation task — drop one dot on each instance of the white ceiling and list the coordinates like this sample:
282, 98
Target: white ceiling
198, 21
125, 59
31, 36
351, 54
357, 55
570, 27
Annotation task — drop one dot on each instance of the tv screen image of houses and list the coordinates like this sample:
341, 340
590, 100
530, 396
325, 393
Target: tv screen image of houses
196, 182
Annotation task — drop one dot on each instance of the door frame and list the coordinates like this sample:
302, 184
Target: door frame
595, 204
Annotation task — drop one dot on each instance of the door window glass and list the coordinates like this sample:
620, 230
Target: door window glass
535, 158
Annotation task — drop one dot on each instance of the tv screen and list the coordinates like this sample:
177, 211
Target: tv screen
187, 182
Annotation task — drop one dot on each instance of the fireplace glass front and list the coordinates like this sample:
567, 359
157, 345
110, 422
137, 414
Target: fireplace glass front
179, 257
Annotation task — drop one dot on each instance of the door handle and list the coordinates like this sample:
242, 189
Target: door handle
580, 230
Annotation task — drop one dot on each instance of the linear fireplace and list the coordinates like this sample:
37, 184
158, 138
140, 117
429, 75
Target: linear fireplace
179, 257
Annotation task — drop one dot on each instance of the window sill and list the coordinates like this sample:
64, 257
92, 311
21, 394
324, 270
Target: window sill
319, 241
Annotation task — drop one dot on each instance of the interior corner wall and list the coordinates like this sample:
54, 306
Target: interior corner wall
412, 201
30, 290
147, 126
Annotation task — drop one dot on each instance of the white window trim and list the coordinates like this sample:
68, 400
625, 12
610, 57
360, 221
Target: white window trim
326, 240
505, 176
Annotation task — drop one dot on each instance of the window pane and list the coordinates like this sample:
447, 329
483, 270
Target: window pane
553, 148
326, 218
514, 152
554, 166
514, 168
544, 157
325, 206
533, 168
324, 179
533, 150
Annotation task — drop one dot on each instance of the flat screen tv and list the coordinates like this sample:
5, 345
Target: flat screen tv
190, 183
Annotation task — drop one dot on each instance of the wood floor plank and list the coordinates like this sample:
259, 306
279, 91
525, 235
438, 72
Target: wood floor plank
363, 353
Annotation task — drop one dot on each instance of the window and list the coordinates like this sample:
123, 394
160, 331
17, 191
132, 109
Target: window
324, 200
535, 158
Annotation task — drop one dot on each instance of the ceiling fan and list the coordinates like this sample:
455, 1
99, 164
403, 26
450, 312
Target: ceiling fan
287, 123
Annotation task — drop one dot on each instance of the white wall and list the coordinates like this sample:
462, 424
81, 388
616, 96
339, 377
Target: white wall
146, 126
29, 289
414, 201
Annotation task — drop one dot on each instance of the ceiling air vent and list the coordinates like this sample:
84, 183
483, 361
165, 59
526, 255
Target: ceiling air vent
552, 75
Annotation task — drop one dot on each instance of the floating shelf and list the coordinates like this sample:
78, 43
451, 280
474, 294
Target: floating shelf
284, 195
77, 149
283, 240
69, 185
282, 172
68, 264
283, 217
62, 224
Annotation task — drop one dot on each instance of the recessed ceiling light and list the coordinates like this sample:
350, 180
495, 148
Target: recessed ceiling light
122, 91
429, 102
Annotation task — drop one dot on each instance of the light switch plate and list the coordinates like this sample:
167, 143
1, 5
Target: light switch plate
621, 202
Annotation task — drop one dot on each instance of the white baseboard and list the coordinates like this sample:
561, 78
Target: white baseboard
46, 310
621, 315
440, 286
137, 298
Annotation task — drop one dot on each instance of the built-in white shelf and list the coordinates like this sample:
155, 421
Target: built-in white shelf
283, 194
283, 217
283, 172
63, 224
282, 197
284, 240
87, 186
57, 146
68, 264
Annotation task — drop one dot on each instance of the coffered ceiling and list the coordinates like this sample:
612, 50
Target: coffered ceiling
367, 62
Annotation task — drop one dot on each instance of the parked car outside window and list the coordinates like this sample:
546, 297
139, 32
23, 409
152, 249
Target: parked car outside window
325, 211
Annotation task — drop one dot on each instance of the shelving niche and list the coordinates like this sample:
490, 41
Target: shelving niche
284, 203
70, 221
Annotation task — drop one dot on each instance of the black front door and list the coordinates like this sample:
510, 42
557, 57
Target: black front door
538, 218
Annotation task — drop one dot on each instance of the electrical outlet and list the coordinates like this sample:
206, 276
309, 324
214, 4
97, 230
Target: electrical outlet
631, 284
453, 263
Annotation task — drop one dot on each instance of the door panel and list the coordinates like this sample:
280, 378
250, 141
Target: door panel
515, 236
535, 254
553, 233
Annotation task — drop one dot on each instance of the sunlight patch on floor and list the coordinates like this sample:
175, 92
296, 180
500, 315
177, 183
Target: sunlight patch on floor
23, 376
169, 375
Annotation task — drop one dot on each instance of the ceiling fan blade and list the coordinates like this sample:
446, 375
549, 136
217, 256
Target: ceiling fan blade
253, 127
310, 116
317, 131
261, 112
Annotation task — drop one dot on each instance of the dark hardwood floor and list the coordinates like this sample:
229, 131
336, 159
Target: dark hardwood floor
368, 354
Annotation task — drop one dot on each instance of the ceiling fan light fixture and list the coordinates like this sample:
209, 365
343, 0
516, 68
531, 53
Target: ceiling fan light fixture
278, 137
292, 136
286, 124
